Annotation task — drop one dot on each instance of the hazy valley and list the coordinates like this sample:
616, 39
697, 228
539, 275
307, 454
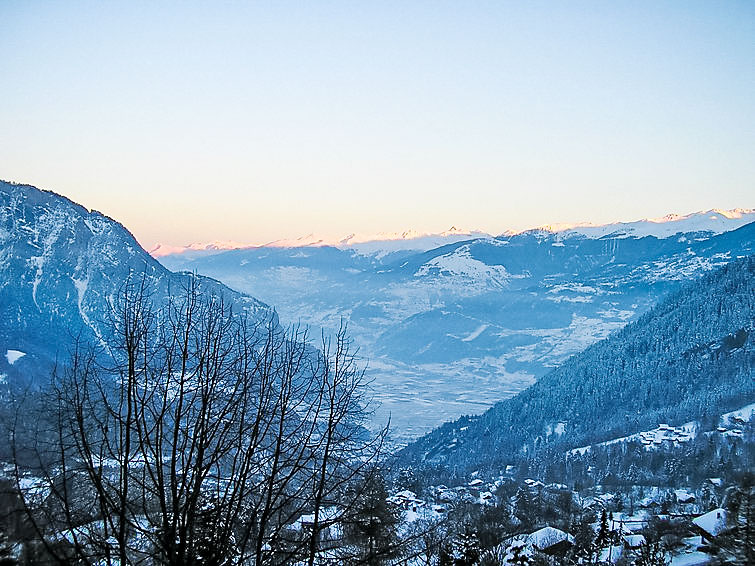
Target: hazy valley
454, 322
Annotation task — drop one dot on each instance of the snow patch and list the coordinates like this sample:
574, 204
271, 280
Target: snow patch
461, 265
14, 355
558, 429
480, 329
745, 414
38, 262
81, 288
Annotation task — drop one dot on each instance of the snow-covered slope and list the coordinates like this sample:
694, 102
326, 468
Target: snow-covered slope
715, 221
61, 267
690, 357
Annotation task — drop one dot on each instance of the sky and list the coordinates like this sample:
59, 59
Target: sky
256, 121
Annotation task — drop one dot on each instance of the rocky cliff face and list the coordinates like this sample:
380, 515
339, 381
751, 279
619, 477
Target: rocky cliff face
61, 268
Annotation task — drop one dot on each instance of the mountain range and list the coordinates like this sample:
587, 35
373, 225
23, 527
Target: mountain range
453, 329
714, 221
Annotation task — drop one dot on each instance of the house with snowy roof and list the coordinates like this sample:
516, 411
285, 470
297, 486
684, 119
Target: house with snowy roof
634, 541
406, 500
712, 524
550, 540
330, 531
683, 496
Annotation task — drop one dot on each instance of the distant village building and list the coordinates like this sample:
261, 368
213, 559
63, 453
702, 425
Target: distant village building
406, 500
683, 496
633, 542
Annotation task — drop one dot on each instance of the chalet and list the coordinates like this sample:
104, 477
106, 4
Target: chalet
330, 530
593, 504
713, 524
550, 540
327, 516
448, 496
651, 503
407, 500
683, 496
534, 485
606, 498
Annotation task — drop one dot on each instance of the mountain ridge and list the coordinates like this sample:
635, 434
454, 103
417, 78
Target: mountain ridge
61, 269
383, 243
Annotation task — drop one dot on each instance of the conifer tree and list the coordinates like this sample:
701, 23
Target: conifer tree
518, 554
467, 549
584, 540
603, 538
524, 509
372, 526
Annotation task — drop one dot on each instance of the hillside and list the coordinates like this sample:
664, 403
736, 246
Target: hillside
61, 268
690, 356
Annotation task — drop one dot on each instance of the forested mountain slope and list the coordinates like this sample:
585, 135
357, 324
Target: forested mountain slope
691, 355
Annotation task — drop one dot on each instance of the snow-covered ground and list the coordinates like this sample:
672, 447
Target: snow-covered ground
665, 433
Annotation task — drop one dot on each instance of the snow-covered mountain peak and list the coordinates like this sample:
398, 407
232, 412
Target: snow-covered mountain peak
714, 221
160, 250
365, 244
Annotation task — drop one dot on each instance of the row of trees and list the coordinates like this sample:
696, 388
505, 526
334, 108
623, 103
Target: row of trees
196, 435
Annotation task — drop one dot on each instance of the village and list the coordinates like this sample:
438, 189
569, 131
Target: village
673, 516
676, 517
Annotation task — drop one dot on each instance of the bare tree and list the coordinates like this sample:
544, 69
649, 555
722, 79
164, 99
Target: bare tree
200, 435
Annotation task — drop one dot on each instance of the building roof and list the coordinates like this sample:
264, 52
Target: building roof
714, 522
547, 537
634, 541
684, 496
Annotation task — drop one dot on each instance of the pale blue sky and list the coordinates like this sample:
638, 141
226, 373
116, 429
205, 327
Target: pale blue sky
257, 121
